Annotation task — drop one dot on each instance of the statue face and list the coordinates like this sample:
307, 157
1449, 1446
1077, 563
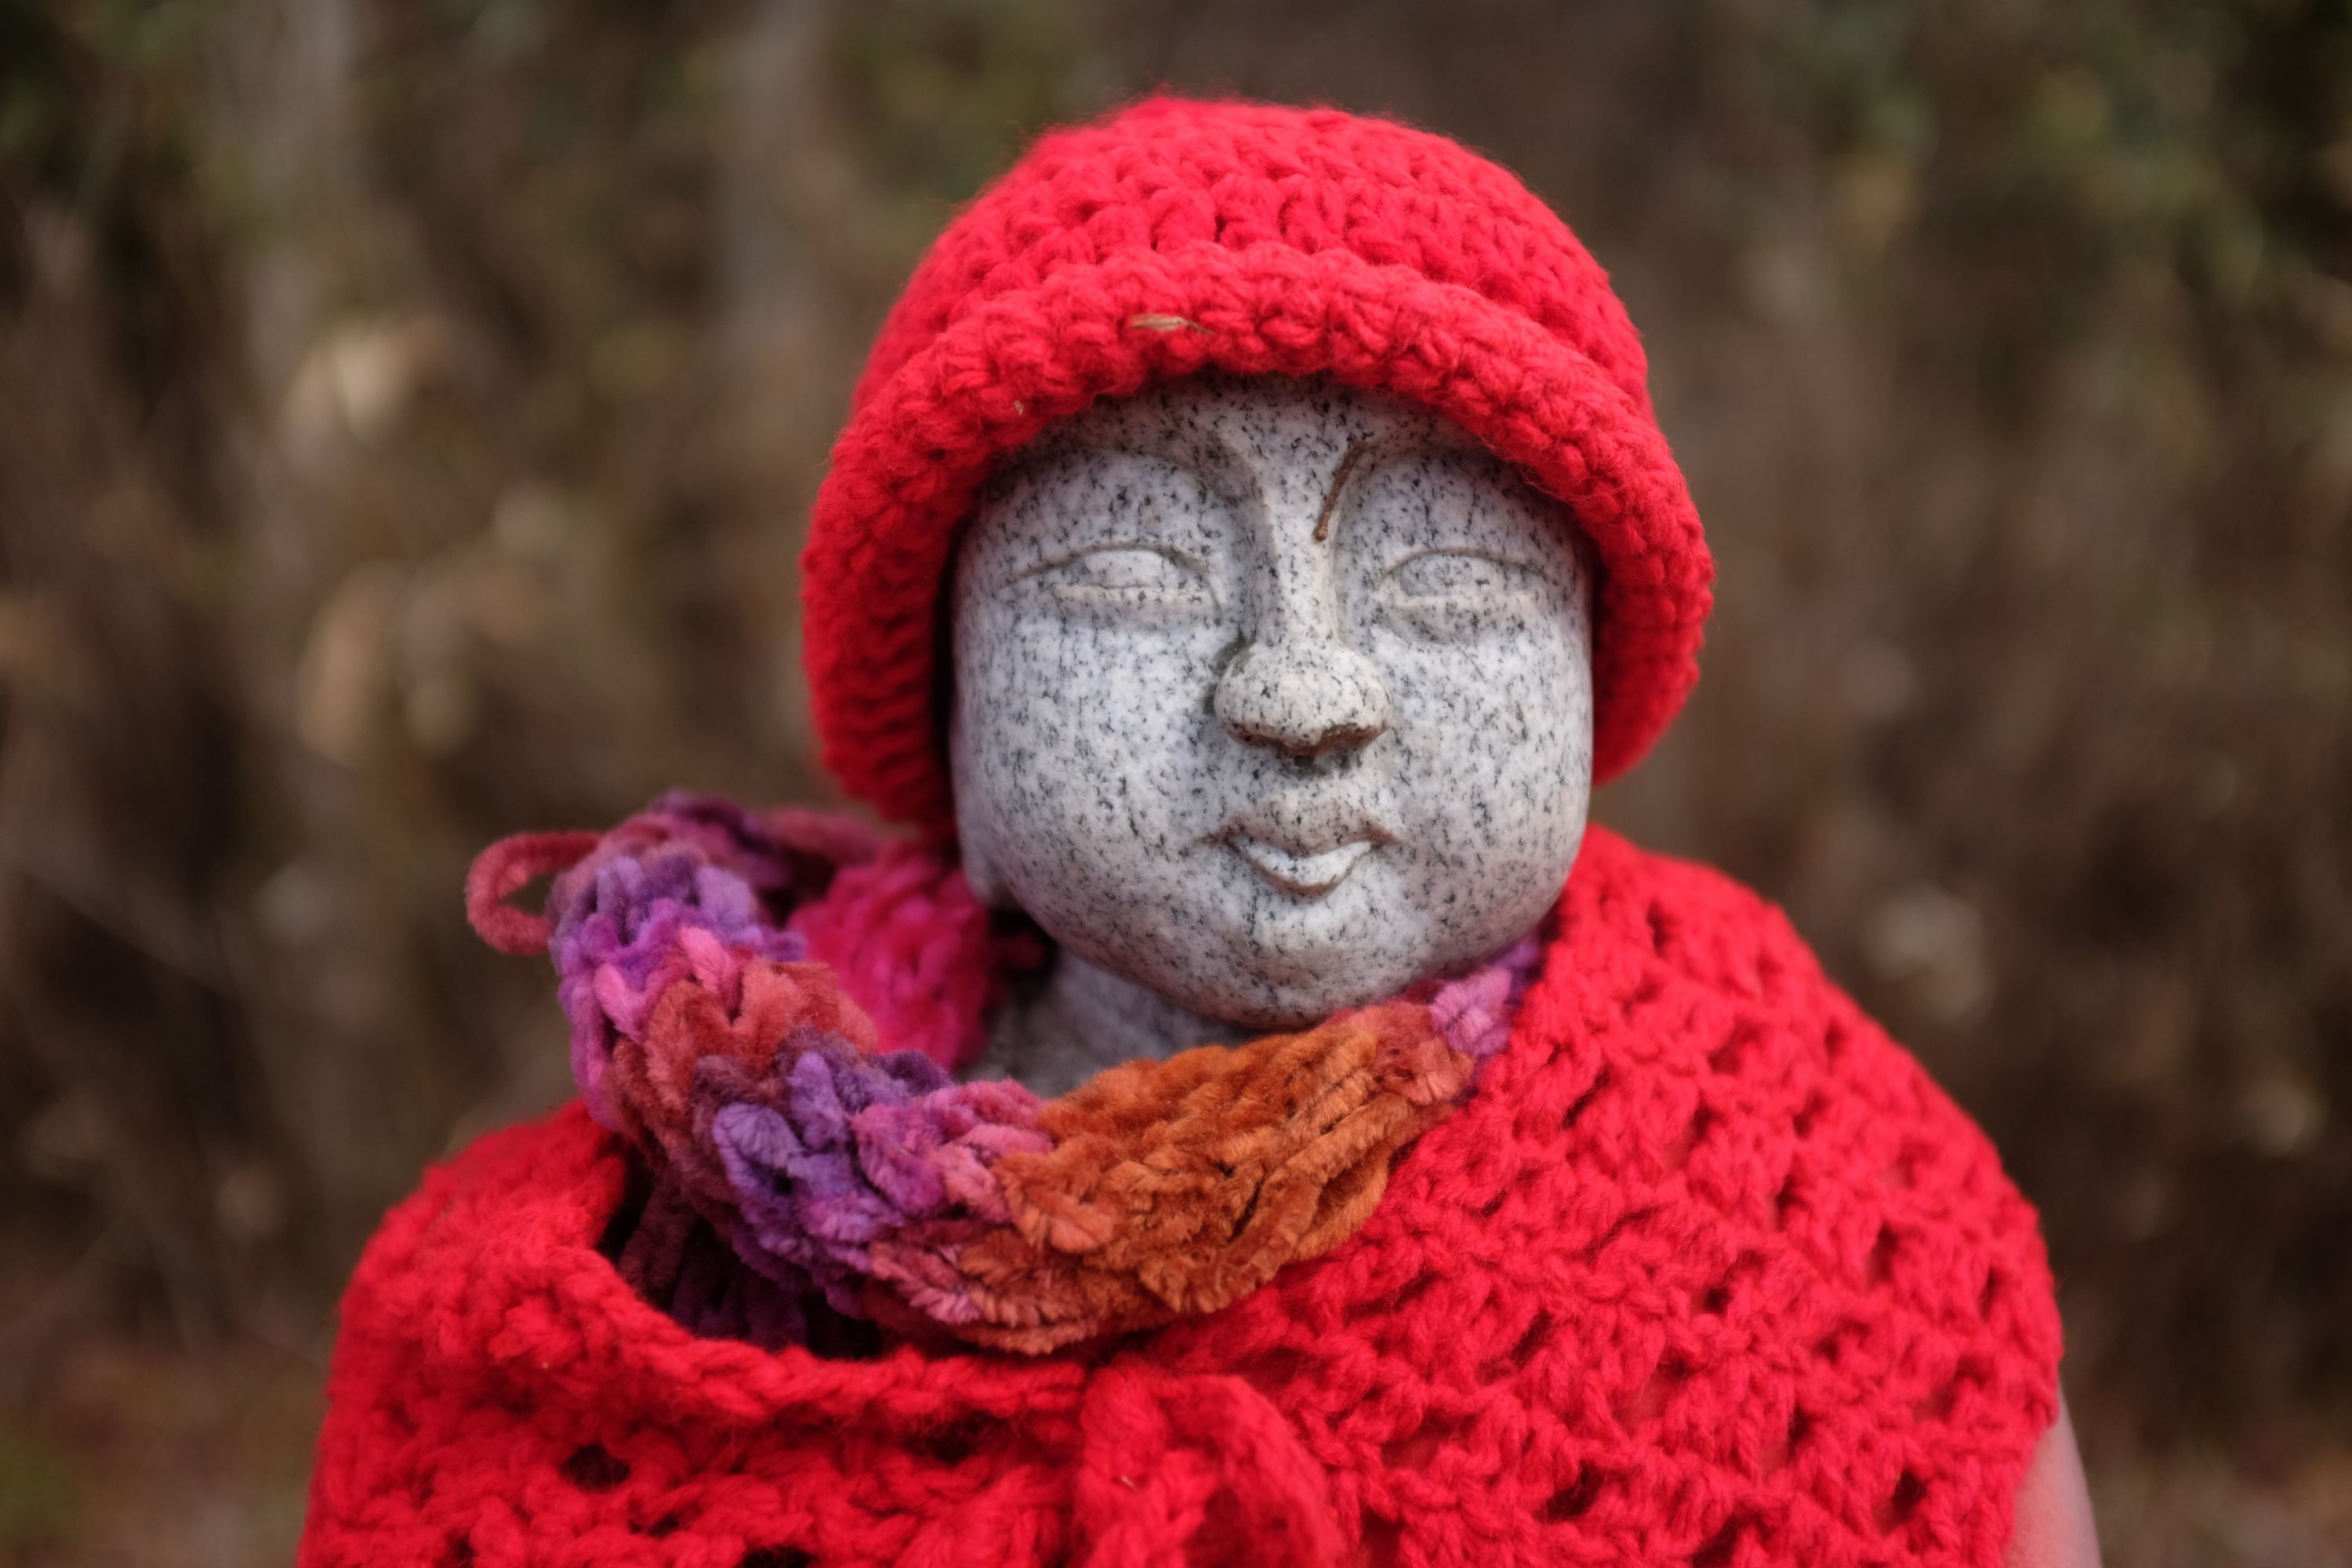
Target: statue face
1271, 696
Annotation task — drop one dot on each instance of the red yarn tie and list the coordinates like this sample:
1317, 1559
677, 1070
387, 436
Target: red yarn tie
503, 870
1160, 1452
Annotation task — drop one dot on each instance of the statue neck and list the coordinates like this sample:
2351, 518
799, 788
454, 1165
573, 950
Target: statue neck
1085, 1019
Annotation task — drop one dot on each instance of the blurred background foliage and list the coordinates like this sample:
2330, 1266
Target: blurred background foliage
408, 409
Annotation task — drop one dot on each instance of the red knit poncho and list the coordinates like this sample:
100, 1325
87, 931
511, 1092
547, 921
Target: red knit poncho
1689, 1265
1707, 1271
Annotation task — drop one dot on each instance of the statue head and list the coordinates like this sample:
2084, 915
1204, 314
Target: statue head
1269, 696
1251, 538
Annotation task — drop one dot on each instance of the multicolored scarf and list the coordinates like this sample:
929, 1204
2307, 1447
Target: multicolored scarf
732, 978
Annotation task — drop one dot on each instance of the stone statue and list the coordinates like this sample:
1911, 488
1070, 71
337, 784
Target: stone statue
1271, 698
1249, 1115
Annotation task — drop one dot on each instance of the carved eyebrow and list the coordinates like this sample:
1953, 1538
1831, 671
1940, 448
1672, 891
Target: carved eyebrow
1339, 483
1414, 441
1209, 456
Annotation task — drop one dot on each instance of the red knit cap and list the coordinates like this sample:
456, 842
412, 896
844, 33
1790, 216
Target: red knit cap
1177, 236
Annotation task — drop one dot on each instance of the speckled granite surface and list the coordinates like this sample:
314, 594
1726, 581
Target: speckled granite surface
1270, 698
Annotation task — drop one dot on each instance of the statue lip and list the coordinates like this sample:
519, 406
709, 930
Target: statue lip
1301, 844
1300, 875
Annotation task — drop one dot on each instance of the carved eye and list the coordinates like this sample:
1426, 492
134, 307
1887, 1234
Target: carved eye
1455, 594
1127, 580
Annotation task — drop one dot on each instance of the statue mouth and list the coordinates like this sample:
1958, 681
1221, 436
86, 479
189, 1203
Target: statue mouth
1300, 875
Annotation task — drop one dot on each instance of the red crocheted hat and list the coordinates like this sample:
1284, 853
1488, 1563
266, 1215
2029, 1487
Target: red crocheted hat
1175, 235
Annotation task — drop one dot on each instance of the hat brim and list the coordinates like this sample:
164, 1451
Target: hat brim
906, 470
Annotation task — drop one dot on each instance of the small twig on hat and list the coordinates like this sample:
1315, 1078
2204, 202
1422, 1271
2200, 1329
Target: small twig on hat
1151, 323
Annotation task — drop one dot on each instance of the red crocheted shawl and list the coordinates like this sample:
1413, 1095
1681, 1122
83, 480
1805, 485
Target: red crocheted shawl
1707, 1272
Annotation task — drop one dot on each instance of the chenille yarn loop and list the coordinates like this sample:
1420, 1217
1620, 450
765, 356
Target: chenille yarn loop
734, 993
504, 869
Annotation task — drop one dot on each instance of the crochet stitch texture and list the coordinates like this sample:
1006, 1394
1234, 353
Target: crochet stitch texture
1706, 1272
718, 967
1177, 236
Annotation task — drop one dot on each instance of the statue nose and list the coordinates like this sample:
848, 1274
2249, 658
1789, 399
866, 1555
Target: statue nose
1303, 696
